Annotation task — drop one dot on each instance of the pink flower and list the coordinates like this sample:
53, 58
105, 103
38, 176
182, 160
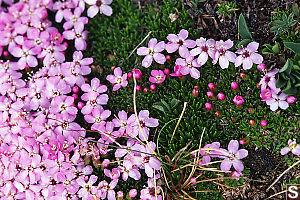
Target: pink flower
261, 67
188, 66
223, 55
205, 48
108, 189
84, 192
99, 5
238, 100
208, 154
71, 18
269, 80
152, 52
180, 42
277, 101
118, 79
113, 174
233, 157
248, 56
266, 94
293, 147
158, 76
129, 170
145, 121
26, 56
78, 34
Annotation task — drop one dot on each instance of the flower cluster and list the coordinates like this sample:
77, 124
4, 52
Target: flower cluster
270, 93
44, 153
204, 48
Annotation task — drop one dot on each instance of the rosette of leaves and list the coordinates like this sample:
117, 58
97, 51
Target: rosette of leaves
288, 79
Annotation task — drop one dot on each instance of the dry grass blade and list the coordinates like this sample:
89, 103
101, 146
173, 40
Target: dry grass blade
181, 115
277, 194
139, 44
293, 165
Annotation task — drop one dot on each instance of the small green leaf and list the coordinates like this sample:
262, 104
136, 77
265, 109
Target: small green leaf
159, 107
243, 28
276, 48
243, 43
278, 22
174, 103
295, 47
289, 90
287, 67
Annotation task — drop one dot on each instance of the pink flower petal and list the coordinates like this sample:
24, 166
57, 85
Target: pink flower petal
142, 51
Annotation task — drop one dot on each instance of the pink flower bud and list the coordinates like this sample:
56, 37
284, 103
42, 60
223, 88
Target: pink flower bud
263, 123
252, 122
137, 73
243, 141
291, 99
221, 96
195, 92
243, 76
234, 86
6, 53
146, 90
86, 79
93, 67
167, 71
120, 195
129, 75
261, 67
212, 86
238, 100
168, 58
193, 180
75, 96
138, 88
132, 193
75, 89
196, 87
80, 105
113, 68
152, 87
218, 113
210, 94
208, 106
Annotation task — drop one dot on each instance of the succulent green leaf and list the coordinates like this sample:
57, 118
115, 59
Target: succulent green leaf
287, 68
276, 48
289, 90
243, 28
295, 9
295, 47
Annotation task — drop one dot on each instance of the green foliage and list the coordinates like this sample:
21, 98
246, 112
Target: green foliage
226, 8
285, 24
271, 49
289, 76
244, 32
295, 47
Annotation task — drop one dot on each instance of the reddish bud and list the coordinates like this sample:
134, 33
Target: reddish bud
218, 113
168, 58
252, 122
75, 96
137, 73
221, 96
263, 123
6, 53
129, 75
212, 86
243, 76
80, 105
152, 87
210, 94
291, 99
243, 141
208, 106
130, 109
113, 68
250, 110
75, 89
146, 90
138, 88
233, 119
197, 87
195, 92
86, 79
167, 71
234, 86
